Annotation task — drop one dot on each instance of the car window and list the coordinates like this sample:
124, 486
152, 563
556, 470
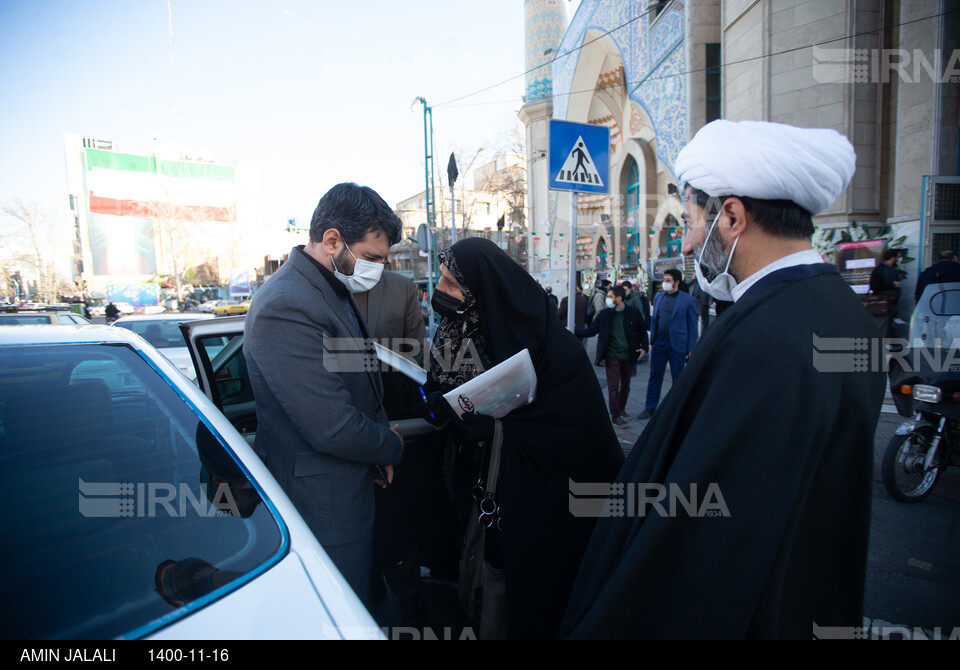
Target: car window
118, 494
161, 334
945, 303
25, 320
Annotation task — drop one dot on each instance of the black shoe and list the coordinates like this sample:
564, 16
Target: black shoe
625, 416
620, 422
645, 414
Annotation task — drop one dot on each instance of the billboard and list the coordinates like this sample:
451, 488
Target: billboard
856, 261
132, 201
136, 294
239, 283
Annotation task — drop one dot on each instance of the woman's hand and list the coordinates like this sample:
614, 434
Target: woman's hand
436, 410
474, 428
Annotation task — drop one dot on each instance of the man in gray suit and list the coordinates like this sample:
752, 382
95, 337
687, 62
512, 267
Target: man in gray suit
322, 427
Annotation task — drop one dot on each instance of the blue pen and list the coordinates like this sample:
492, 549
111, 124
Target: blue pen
423, 396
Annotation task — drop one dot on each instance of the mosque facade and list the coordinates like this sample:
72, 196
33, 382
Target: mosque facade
884, 73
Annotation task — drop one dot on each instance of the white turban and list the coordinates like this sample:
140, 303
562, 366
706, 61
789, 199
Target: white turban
768, 161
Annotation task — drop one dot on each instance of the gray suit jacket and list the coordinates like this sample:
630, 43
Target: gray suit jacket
393, 313
321, 425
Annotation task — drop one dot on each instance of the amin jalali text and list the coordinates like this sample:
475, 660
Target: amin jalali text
69, 654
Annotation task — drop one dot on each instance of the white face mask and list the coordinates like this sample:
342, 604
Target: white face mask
667, 286
720, 287
610, 303
366, 274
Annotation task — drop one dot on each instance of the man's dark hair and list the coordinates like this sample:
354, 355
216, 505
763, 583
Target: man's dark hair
948, 255
626, 284
605, 283
355, 211
676, 274
618, 291
782, 218
890, 253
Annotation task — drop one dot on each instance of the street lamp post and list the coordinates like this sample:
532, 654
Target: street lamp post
428, 195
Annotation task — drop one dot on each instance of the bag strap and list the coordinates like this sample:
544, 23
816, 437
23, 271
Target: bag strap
489, 510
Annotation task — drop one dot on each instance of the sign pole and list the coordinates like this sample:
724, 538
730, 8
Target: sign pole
572, 291
579, 162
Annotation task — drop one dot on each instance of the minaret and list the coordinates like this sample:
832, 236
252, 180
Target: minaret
545, 24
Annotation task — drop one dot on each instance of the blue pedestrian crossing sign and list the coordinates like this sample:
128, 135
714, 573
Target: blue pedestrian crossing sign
579, 157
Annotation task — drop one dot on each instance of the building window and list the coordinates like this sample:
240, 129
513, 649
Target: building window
482, 208
656, 7
713, 71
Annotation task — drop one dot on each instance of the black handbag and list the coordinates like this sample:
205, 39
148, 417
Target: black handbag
483, 588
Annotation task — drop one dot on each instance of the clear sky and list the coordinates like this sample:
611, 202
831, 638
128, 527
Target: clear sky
311, 92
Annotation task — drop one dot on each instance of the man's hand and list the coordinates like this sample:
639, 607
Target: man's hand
640, 353
384, 476
396, 429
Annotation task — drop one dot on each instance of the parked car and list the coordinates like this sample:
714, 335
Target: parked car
37, 318
136, 510
208, 306
231, 307
216, 347
936, 318
163, 332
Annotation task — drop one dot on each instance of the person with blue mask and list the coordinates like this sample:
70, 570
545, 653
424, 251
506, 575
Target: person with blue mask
747, 497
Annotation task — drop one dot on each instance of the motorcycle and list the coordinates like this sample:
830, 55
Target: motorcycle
926, 387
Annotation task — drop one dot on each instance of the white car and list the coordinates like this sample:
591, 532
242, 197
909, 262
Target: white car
163, 332
136, 510
207, 306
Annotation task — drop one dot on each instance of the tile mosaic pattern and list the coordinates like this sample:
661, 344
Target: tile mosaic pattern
653, 57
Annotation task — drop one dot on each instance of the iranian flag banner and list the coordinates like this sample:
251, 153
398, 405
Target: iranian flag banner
148, 187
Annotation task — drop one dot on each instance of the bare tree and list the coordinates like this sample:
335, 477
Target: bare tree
30, 230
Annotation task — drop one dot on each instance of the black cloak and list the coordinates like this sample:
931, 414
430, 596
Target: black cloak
564, 434
779, 547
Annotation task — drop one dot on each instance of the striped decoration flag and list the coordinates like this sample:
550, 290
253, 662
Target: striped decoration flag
148, 187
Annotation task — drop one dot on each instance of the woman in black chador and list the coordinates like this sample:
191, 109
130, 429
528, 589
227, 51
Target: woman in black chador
491, 309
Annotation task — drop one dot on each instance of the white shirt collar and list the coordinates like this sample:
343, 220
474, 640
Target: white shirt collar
805, 257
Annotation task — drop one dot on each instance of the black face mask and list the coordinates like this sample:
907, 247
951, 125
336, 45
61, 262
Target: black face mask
446, 305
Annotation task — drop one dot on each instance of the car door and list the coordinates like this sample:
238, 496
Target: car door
216, 348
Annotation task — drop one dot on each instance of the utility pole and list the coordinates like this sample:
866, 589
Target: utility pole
428, 196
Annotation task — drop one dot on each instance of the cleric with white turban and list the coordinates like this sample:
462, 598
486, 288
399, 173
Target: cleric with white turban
769, 428
768, 161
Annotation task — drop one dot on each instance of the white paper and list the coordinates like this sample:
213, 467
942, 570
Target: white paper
401, 364
499, 390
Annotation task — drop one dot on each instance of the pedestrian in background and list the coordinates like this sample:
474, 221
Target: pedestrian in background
553, 298
945, 270
598, 301
622, 340
885, 280
673, 334
579, 310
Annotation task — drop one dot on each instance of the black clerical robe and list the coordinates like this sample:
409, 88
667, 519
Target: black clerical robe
777, 438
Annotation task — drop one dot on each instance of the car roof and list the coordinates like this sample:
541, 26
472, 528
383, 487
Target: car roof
93, 334
166, 316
